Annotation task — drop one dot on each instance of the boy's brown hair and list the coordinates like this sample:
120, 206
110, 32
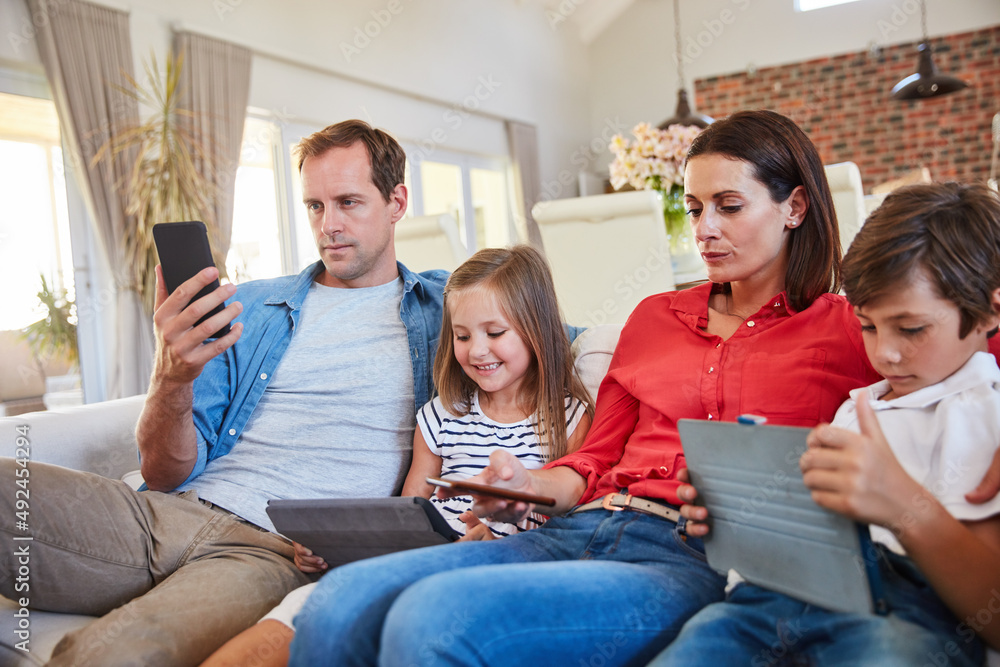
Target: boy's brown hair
385, 155
520, 281
949, 230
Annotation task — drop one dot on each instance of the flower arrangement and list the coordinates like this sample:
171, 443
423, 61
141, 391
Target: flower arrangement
655, 161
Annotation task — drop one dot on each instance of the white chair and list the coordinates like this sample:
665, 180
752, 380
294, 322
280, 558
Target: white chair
607, 253
848, 199
881, 190
429, 242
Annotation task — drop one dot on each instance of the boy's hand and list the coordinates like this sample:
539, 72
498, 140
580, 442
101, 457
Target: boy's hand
990, 484
856, 474
306, 561
696, 515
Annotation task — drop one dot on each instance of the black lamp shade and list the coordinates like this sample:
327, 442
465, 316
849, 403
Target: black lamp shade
927, 82
684, 116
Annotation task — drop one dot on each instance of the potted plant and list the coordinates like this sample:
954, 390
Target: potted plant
170, 180
53, 336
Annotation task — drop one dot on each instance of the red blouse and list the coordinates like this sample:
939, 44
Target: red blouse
795, 368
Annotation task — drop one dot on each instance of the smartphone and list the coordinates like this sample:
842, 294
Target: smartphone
492, 491
184, 251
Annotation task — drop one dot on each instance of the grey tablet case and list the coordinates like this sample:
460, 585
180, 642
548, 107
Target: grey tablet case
765, 525
344, 530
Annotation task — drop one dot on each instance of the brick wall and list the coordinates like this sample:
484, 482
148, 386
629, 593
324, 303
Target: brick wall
843, 104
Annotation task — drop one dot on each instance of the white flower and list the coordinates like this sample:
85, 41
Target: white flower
654, 153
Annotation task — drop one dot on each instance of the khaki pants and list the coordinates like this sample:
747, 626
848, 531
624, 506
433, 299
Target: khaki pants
172, 577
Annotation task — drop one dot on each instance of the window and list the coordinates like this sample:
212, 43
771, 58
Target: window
441, 192
34, 223
34, 245
255, 246
471, 188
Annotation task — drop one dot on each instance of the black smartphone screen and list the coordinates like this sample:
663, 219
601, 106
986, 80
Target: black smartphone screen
184, 251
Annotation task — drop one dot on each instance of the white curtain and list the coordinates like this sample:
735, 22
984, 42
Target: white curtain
215, 88
522, 141
86, 51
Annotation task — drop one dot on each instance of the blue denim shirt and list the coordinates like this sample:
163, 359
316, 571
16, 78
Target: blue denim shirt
229, 387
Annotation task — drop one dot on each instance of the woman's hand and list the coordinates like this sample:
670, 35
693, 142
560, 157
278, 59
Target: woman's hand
696, 515
506, 472
856, 474
475, 530
306, 561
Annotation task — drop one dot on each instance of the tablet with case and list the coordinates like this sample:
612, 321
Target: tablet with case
343, 530
764, 523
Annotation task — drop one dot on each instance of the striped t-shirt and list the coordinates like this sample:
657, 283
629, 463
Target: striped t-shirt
465, 443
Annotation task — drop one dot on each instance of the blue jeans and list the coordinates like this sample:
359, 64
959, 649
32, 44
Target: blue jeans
595, 588
758, 627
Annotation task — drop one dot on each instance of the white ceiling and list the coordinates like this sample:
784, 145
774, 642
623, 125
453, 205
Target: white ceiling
590, 17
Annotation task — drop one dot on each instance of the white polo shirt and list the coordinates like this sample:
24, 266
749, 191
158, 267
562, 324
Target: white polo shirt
943, 435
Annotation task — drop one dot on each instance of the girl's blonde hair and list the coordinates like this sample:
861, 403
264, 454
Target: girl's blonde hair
519, 279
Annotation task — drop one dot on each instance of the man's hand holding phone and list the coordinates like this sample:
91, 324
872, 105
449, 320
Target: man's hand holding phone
181, 348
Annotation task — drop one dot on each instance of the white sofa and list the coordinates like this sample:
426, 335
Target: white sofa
97, 438
100, 438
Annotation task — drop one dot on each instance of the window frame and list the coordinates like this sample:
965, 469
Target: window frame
466, 162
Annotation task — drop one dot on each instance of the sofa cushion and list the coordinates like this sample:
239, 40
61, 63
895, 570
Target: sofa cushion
97, 438
592, 351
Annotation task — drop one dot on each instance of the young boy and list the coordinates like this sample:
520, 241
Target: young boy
923, 275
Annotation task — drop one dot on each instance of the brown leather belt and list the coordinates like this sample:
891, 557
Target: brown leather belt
616, 502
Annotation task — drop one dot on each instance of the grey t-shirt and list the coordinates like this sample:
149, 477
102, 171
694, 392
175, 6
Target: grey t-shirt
337, 417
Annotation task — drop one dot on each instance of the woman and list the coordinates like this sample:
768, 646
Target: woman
613, 580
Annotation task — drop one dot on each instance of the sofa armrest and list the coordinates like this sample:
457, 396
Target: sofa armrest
97, 438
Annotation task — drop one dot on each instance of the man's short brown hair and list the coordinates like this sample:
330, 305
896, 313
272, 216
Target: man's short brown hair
949, 230
385, 155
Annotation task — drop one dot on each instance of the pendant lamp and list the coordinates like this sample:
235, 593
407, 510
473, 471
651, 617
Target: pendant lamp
683, 115
927, 82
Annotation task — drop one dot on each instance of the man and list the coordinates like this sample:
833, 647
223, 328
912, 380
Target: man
312, 394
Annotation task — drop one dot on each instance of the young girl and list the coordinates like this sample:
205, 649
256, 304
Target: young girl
504, 373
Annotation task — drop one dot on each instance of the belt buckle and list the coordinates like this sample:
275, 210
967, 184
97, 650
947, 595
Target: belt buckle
609, 504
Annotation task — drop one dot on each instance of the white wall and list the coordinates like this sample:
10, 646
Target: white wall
633, 72
499, 56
